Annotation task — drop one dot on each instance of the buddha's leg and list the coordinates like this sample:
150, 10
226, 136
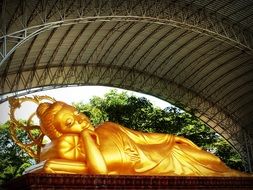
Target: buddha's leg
191, 149
201, 155
65, 166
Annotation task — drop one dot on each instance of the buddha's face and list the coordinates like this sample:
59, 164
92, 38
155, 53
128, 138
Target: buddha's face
69, 120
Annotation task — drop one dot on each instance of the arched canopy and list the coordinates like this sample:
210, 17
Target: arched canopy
193, 53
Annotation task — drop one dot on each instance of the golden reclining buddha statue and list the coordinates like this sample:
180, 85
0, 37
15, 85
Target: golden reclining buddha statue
77, 147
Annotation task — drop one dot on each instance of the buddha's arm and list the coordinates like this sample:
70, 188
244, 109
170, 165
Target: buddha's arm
95, 159
65, 166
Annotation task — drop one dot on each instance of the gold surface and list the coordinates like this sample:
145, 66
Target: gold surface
77, 147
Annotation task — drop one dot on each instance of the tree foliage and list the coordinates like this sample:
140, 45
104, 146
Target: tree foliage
13, 160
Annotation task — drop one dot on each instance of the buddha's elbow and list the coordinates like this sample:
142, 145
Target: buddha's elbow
99, 170
103, 171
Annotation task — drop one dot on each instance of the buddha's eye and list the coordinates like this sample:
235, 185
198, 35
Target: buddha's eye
69, 122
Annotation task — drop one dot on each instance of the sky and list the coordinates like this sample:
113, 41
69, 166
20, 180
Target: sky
71, 95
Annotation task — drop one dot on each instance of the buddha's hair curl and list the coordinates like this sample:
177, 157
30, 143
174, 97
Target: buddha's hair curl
46, 113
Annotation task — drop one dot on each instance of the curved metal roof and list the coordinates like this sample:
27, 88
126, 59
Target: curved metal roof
196, 53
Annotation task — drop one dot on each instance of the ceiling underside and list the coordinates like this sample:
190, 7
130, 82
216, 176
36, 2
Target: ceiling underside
194, 53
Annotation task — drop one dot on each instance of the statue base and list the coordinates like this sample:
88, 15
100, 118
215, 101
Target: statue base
34, 181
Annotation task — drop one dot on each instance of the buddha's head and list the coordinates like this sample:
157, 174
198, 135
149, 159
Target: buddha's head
60, 118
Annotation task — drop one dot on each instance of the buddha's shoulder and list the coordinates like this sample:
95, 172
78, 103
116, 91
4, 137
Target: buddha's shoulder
111, 126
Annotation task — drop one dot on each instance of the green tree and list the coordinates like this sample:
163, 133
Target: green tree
229, 155
13, 160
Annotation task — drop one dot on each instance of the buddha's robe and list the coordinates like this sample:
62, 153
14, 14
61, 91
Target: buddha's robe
132, 152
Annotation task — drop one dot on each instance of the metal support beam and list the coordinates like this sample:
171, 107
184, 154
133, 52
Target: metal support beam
176, 13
